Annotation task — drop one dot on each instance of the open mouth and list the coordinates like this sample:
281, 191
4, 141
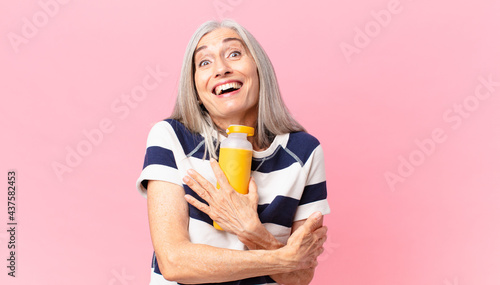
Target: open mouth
226, 88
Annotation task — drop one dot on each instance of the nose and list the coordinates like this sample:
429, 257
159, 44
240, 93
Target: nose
222, 68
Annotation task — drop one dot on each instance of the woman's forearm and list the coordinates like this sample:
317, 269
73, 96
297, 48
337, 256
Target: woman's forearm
197, 263
297, 277
190, 263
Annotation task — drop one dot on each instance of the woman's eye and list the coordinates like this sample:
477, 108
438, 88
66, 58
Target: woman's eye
234, 53
203, 63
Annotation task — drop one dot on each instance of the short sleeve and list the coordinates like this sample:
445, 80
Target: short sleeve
315, 193
162, 151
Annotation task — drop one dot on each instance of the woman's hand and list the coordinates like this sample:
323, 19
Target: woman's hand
306, 243
234, 212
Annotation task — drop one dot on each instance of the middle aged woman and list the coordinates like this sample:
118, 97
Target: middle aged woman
273, 234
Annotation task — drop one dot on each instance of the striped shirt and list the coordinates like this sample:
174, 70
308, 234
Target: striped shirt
290, 178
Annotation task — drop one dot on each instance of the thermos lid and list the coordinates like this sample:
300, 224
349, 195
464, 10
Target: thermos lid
240, 129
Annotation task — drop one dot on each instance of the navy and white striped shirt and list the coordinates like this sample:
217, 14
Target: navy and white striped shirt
290, 177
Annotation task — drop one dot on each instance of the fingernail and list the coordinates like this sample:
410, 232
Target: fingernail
185, 179
190, 172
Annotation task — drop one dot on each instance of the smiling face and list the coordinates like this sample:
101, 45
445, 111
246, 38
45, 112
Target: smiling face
226, 78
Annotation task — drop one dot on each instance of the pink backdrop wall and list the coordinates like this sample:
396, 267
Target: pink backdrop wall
404, 96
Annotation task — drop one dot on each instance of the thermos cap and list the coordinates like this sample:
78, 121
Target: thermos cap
240, 129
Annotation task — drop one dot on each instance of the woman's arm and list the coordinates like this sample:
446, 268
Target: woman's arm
258, 237
182, 261
237, 214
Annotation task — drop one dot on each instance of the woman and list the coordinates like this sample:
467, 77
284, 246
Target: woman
271, 235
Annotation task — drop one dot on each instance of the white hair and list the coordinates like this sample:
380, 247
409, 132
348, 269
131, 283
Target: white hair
273, 116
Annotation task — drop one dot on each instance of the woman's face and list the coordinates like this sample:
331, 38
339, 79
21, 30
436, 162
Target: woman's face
226, 77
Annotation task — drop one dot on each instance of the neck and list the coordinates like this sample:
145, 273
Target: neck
223, 124
250, 121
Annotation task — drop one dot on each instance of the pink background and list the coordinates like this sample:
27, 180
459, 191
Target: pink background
368, 90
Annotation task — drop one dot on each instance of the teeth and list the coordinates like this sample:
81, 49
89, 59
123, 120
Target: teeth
220, 88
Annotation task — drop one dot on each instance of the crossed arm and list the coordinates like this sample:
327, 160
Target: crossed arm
182, 261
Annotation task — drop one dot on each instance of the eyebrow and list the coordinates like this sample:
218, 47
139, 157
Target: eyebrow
224, 41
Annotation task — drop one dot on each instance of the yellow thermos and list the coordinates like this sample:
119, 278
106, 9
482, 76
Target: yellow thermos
235, 158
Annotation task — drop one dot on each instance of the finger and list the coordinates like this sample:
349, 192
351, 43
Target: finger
252, 190
319, 252
313, 264
204, 183
321, 240
219, 174
198, 189
313, 222
197, 204
321, 231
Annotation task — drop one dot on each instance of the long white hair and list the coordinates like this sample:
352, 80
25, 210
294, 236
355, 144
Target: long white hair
273, 116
